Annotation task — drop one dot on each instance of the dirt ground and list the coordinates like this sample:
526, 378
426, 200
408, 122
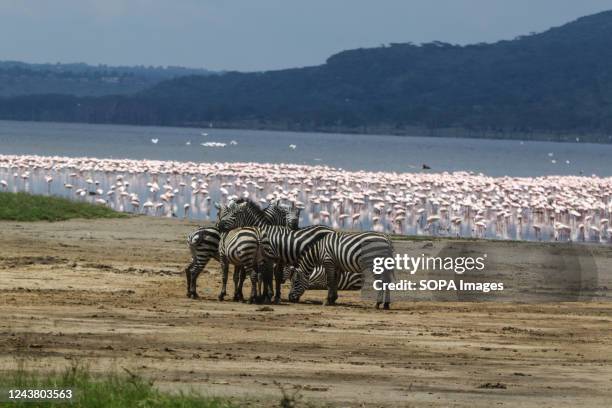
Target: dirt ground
110, 294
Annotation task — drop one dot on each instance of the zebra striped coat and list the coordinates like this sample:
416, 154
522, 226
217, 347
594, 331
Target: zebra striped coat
318, 279
342, 252
288, 245
247, 248
204, 246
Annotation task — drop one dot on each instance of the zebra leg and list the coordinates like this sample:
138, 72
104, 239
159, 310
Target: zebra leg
188, 277
253, 274
192, 272
242, 278
384, 296
379, 293
238, 281
267, 278
225, 270
278, 280
332, 285
261, 288
389, 276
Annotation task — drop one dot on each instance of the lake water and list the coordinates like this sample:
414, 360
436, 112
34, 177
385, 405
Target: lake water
351, 152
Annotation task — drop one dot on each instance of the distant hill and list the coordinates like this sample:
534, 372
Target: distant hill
552, 85
20, 78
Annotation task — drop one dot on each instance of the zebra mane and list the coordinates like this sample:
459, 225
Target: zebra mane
248, 205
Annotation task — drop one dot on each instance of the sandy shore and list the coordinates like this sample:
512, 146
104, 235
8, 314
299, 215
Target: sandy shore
110, 293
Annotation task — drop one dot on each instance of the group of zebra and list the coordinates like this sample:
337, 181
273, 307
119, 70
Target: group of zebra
267, 244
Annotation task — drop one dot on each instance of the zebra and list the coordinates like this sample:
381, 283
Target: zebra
287, 246
204, 246
343, 252
249, 249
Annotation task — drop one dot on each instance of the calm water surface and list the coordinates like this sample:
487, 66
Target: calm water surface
351, 152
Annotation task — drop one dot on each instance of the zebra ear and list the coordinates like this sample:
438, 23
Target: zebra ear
217, 205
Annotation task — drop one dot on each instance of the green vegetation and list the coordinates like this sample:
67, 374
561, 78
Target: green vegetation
108, 391
27, 207
555, 85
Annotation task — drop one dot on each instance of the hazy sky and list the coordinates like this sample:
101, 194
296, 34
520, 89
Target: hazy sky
252, 35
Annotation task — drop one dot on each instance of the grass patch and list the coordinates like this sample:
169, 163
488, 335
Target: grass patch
28, 207
107, 391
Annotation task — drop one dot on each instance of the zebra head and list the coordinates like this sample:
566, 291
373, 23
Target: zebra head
275, 214
299, 282
227, 216
221, 210
293, 218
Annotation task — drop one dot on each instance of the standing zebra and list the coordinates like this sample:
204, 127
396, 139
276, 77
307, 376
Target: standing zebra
247, 248
346, 252
288, 245
204, 245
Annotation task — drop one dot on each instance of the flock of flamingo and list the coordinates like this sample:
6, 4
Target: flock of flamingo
550, 208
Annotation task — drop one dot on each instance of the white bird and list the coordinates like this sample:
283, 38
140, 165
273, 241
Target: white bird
213, 144
154, 141
233, 142
292, 146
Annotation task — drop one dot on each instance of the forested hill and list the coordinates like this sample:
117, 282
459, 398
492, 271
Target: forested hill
20, 78
554, 85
